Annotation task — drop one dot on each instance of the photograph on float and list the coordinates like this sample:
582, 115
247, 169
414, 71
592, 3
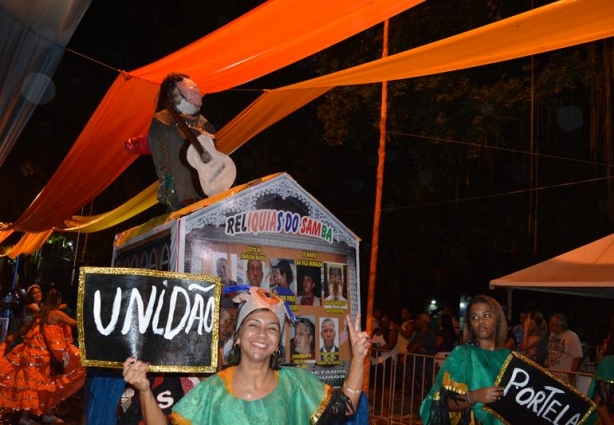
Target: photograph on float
282, 281
335, 285
320, 327
303, 340
310, 290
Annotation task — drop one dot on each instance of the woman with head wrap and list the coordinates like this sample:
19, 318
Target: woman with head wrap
256, 389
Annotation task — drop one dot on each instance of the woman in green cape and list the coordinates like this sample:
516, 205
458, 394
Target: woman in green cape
465, 383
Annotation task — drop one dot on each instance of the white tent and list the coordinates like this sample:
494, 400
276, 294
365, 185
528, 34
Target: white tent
587, 270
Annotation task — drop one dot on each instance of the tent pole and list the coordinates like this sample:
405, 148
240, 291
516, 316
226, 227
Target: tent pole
381, 154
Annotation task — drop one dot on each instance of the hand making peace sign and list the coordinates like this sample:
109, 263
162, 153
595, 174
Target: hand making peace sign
359, 340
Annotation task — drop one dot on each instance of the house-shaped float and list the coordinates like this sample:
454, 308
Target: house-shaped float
270, 233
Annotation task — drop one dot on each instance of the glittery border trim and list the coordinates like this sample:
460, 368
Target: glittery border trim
323, 405
450, 384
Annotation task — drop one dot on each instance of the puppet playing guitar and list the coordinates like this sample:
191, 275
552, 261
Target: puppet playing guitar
216, 171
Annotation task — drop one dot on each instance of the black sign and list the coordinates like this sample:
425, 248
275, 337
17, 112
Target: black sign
532, 395
170, 320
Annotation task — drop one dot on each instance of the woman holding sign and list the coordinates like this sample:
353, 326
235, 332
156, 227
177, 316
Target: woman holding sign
256, 389
465, 382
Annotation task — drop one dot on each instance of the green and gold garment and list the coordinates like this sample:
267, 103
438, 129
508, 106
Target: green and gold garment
467, 368
299, 398
603, 384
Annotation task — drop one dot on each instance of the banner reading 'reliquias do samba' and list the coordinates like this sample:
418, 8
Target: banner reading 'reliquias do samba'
277, 221
170, 320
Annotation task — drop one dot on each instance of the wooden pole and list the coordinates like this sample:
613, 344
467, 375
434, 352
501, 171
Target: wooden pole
381, 155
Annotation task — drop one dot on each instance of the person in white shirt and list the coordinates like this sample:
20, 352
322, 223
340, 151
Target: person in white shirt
406, 330
564, 349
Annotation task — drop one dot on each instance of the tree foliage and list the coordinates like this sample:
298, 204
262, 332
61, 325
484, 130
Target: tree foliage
466, 151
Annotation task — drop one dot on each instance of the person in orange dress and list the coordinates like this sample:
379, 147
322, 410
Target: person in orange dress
56, 329
26, 382
22, 373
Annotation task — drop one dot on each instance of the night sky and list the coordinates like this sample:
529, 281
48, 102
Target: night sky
125, 35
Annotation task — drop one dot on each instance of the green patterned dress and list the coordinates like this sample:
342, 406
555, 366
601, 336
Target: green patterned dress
467, 368
299, 398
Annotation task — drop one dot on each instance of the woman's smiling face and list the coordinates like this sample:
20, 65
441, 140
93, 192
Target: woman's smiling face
259, 335
37, 294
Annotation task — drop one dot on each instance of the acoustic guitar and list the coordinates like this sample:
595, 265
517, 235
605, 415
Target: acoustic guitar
216, 171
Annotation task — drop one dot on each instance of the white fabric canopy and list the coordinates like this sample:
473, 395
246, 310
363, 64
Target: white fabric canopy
33, 36
587, 270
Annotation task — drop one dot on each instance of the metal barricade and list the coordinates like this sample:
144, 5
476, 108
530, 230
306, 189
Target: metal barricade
398, 386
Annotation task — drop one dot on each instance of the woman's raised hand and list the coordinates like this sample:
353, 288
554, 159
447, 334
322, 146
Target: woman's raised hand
359, 340
135, 373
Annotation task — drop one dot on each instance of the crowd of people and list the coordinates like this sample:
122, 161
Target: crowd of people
40, 365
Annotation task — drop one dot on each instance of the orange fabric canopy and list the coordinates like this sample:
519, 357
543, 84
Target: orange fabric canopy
555, 26
280, 33
270, 37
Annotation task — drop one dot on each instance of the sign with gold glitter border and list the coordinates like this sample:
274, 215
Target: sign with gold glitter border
170, 320
532, 395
